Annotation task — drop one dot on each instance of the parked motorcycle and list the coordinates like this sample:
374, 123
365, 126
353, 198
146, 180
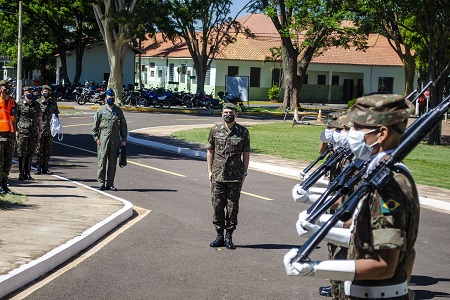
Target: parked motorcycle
151, 97
236, 100
92, 96
203, 100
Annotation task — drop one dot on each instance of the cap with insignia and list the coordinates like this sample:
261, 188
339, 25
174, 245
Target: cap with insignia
28, 88
46, 87
229, 106
380, 110
332, 120
110, 92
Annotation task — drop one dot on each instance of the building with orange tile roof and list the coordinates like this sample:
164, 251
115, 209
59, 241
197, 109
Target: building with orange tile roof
336, 76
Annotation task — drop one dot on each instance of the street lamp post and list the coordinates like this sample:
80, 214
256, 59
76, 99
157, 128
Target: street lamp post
19, 57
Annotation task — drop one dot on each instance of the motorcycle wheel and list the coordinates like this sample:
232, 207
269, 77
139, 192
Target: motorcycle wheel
81, 100
165, 104
142, 102
242, 106
127, 100
189, 103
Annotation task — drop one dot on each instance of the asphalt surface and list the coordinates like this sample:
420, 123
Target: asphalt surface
64, 217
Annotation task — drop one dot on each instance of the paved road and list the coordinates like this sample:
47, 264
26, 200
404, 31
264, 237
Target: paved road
166, 255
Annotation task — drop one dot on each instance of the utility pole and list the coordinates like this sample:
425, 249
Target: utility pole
19, 57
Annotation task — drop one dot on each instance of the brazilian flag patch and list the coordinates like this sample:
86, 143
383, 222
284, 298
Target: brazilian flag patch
390, 206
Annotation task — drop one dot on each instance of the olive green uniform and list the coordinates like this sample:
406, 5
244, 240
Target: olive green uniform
227, 172
110, 127
44, 146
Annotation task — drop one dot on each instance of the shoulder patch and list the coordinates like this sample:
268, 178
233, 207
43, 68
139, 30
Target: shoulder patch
390, 205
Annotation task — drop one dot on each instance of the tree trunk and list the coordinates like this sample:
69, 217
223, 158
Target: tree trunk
79, 48
409, 68
62, 56
291, 80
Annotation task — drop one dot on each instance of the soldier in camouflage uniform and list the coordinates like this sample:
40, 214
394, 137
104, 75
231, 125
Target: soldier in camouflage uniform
7, 134
228, 155
29, 130
385, 224
110, 132
44, 147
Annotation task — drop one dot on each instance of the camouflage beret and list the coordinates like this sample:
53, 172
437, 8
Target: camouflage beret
229, 106
332, 120
380, 110
28, 88
46, 87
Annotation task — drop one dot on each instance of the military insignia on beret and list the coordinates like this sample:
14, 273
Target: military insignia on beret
390, 206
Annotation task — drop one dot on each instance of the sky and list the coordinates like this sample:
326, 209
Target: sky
237, 6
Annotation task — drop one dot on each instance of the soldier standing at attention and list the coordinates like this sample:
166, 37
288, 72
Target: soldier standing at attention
386, 222
7, 134
110, 132
29, 131
44, 147
228, 156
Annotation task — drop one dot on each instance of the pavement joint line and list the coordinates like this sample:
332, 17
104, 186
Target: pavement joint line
32, 270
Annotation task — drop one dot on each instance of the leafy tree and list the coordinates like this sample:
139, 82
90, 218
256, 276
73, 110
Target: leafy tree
307, 28
205, 26
120, 23
389, 19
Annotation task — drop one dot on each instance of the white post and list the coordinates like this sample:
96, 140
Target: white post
19, 57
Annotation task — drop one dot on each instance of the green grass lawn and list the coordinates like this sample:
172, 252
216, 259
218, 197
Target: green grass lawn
428, 164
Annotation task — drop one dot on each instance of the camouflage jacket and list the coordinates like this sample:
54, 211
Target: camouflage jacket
387, 219
47, 108
27, 115
228, 146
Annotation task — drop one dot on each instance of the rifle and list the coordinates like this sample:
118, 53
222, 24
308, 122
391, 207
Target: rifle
378, 178
332, 160
321, 156
336, 185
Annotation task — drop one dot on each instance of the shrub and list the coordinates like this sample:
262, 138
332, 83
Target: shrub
274, 93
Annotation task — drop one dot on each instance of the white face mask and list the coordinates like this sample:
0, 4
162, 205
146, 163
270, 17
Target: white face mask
329, 135
358, 145
337, 137
344, 139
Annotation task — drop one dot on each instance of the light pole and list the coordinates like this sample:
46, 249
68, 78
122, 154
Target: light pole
19, 57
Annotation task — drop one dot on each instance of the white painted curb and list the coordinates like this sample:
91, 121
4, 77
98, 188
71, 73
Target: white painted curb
28, 272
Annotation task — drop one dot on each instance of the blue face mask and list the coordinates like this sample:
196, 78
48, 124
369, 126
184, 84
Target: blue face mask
110, 101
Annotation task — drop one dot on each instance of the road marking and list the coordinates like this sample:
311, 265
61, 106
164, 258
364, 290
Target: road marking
156, 169
140, 214
128, 160
257, 196
90, 124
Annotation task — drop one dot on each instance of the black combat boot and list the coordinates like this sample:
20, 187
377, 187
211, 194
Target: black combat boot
45, 169
229, 240
325, 291
219, 241
39, 170
27, 164
5, 186
21, 168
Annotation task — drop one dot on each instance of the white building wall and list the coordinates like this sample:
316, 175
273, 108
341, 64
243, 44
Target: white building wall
96, 64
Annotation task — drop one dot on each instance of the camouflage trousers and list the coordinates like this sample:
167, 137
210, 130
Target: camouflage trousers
225, 202
6, 153
26, 144
43, 150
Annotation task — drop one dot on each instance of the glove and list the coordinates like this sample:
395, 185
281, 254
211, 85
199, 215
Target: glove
299, 194
325, 217
303, 176
306, 227
302, 269
301, 218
